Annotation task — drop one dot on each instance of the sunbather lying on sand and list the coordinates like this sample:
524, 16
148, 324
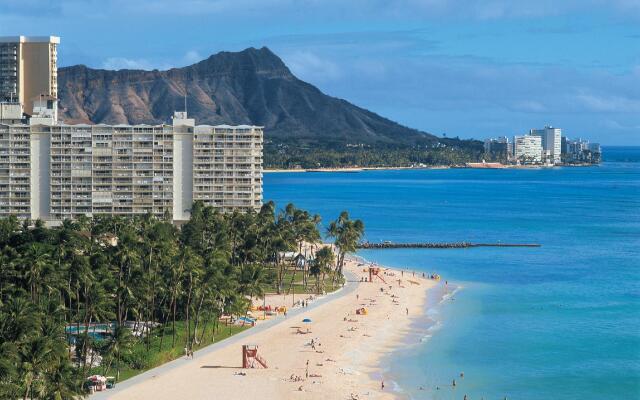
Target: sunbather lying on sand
295, 378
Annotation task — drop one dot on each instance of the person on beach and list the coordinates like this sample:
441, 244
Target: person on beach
407, 310
382, 385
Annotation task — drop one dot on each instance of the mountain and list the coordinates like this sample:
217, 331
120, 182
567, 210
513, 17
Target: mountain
253, 86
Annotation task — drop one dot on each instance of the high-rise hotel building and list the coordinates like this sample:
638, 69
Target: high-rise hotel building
527, 149
28, 69
58, 171
551, 143
54, 171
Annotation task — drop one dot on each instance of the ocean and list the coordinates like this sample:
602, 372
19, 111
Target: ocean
561, 321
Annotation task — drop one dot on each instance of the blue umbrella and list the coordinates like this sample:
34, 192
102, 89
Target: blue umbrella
307, 320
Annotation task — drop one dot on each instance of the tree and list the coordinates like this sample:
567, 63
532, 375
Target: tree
119, 346
322, 264
346, 233
58, 285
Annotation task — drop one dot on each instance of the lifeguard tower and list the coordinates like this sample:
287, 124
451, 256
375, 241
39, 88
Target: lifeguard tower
251, 358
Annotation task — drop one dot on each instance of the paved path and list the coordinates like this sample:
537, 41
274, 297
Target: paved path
349, 287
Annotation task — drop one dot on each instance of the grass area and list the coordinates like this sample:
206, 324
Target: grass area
141, 360
298, 286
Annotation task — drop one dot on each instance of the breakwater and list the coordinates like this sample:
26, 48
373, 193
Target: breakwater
453, 245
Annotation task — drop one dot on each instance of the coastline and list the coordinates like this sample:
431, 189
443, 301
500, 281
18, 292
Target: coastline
347, 362
352, 169
432, 167
421, 330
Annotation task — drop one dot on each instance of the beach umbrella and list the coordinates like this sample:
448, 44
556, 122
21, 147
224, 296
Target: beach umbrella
306, 321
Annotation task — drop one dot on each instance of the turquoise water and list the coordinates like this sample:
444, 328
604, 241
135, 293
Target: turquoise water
98, 331
557, 322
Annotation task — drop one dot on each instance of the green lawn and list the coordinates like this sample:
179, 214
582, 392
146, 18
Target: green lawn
141, 360
298, 286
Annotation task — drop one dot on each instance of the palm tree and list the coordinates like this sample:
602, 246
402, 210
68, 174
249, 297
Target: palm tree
346, 233
36, 355
34, 261
322, 263
250, 282
62, 383
119, 346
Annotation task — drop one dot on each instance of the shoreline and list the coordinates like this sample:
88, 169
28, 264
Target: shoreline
432, 167
350, 355
422, 329
352, 169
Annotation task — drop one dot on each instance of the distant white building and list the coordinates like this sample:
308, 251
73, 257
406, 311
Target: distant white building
527, 149
551, 143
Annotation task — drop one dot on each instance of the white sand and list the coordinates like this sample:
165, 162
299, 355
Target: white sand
350, 351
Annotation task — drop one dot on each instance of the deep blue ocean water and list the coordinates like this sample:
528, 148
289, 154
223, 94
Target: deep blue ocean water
557, 322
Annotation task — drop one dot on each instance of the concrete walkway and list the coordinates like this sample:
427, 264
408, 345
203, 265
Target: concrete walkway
350, 285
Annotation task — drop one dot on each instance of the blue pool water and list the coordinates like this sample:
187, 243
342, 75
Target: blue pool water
557, 322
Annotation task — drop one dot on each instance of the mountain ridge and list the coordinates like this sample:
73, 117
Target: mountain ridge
253, 86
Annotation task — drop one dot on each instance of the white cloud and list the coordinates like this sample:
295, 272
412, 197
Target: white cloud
608, 103
192, 57
309, 66
335, 9
529, 106
117, 63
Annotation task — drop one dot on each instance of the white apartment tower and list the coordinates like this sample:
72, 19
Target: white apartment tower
527, 149
54, 171
551, 143
28, 69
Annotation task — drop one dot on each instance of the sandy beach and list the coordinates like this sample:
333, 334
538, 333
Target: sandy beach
348, 349
354, 169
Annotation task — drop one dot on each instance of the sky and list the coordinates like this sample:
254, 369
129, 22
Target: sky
467, 68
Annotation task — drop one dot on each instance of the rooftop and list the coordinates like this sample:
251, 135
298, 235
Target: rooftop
30, 39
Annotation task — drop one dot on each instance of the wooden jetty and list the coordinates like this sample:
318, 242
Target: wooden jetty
453, 245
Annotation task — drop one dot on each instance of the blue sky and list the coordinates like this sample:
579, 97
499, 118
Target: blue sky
475, 68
